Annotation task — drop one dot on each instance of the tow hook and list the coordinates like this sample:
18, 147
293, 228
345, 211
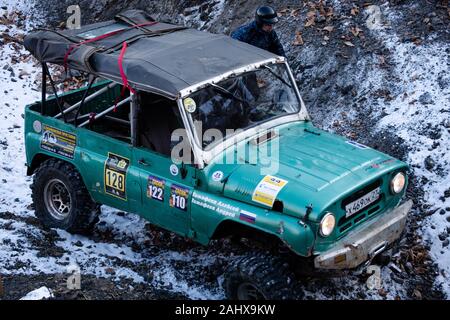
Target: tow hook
377, 250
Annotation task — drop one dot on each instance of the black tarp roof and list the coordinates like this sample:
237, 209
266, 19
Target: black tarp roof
161, 58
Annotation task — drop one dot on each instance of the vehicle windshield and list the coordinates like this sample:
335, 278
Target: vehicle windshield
242, 101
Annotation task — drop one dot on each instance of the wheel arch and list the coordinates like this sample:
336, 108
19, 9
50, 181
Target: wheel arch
229, 227
40, 158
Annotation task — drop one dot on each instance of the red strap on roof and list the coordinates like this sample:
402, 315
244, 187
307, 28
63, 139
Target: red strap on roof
103, 36
122, 73
126, 85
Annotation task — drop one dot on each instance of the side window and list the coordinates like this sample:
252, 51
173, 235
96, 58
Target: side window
116, 122
159, 118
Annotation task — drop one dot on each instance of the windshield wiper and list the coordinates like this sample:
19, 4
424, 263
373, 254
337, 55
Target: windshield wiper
278, 76
230, 94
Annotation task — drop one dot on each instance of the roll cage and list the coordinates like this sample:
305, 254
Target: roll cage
201, 157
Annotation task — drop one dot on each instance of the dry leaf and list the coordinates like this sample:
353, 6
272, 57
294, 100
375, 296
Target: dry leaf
349, 44
354, 11
295, 12
417, 41
328, 28
282, 12
310, 22
311, 14
298, 41
355, 31
329, 12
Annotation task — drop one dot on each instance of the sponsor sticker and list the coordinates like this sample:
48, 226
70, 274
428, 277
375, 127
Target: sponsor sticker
356, 144
37, 126
115, 175
173, 169
155, 188
378, 165
58, 141
267, 190
217, 176
179, 197
190, 105
220, 207
247, 216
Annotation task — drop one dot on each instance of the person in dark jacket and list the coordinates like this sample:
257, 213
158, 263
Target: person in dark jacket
260, 32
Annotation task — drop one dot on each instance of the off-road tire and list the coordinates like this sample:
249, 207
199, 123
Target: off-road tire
269, 275
83, 213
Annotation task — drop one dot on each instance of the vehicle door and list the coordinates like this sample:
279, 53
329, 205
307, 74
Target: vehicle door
165, 185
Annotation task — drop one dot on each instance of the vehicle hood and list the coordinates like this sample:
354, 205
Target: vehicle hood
319, 168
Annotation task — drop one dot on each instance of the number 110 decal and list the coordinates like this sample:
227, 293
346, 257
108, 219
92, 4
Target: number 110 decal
179, 197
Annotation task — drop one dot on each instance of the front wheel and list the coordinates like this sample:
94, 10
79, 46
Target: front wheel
259, 277
61, 199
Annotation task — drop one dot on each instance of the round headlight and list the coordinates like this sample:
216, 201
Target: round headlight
398, 183
327, 224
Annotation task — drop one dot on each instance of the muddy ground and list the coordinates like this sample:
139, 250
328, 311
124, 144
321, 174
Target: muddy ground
333, 68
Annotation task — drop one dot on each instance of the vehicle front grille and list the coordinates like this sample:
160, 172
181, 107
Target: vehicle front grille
344, 223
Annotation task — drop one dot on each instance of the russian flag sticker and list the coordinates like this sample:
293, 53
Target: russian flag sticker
247, 216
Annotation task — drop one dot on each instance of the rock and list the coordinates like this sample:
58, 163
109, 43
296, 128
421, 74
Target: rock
442, 212
78, 243
445, 243
448, 219
442, 236
110, 271
426, 98
429, 163
446, 123
447, 193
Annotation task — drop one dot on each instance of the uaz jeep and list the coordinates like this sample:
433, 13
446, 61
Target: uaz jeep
206, 137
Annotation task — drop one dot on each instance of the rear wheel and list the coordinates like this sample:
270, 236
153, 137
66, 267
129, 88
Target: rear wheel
259, 277
61, 199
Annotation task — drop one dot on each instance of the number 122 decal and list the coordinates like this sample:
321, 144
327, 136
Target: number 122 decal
155, 188
179, 197
115, 175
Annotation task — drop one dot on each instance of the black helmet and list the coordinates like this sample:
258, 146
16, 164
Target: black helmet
266, 15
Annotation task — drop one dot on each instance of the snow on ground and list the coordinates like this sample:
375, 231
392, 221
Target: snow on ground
19, 253
419, 113
39, 294
204, 15
23, 243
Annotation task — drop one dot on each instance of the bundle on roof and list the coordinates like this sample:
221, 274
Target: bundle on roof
160, 57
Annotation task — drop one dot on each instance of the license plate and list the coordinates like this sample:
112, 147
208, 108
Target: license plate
362, 202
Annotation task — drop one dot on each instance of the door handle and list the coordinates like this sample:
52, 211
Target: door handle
143, 162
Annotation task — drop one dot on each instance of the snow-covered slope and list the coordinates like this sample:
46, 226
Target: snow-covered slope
404, 90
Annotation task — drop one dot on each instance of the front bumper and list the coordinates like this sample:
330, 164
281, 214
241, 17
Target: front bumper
362, 245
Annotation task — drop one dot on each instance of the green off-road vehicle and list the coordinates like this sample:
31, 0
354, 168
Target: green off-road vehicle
207, 137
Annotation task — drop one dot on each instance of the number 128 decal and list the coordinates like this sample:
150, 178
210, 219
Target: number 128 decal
115, 175
179, 197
